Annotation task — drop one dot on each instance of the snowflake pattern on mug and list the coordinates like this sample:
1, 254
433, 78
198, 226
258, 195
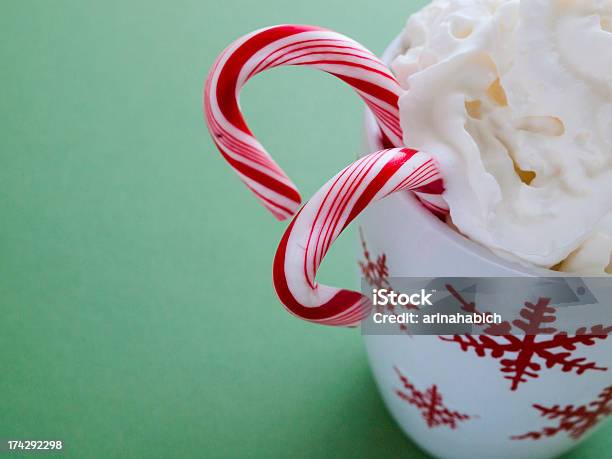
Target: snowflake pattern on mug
523, 356
575, 420
376, 274
430, 404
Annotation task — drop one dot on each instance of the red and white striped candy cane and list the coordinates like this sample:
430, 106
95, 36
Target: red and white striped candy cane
322, 219
289, 45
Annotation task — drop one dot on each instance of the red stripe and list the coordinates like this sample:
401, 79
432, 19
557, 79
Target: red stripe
332, 54
382, 114
381, 179
285, 210
353, 187
226, 139
435, 187
319, 210
258, 67
358, 168
387, 115
391, 117
386, 119
228, 76
338, 303
413, 175
325, 62
222, 134
273, 62
381, 93
251, 153
265, 180
385, 142
438, 211
422, 180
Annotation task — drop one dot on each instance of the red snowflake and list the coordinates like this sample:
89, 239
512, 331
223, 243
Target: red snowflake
556, 349
576, 421
376, 273
430, 404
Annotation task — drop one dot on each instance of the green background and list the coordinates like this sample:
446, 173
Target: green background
137, 316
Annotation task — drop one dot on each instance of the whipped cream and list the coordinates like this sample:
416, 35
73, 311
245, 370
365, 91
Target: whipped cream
514, 99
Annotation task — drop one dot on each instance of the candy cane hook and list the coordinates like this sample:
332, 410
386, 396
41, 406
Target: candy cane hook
324, 217
289, 45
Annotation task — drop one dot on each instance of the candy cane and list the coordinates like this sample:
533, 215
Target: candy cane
289, 45
324, 217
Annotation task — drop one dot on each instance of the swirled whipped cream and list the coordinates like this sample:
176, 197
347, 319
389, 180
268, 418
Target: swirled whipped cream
514, 99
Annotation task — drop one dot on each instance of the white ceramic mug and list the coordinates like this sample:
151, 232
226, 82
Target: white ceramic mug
417, 244
452, 402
